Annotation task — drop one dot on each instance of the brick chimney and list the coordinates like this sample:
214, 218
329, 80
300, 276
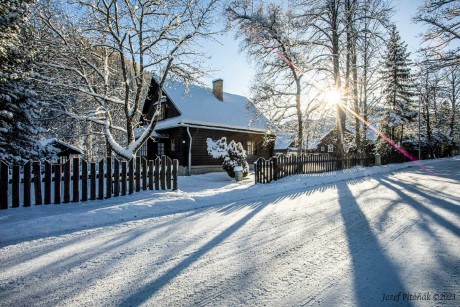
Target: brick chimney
218, 89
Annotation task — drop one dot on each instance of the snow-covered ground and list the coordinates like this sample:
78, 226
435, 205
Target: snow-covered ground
346, 238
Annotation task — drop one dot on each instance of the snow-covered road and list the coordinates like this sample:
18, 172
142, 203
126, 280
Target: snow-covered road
360, 241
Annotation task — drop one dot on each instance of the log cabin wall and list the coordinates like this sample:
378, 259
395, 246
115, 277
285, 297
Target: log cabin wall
200, 155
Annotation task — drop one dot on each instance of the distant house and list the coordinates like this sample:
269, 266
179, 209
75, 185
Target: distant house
328, 143
189, 116
285, 144
64, 151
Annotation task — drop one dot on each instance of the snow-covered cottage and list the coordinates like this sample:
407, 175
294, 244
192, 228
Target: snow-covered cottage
61, 150
189, 116
328, 143
286, 144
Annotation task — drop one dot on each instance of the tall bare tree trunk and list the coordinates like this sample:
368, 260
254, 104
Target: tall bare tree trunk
299, 116
453, 103
341, 116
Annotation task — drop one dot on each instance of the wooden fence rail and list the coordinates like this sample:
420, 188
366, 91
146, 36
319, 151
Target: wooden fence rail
277, 167
108, 178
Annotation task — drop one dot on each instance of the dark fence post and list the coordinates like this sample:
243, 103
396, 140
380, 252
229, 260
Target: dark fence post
93, 181
138, 174
260, 170
131, 176
255, 171
48, 179
76, 180
57, 183
116, 178
16, 185
174, 174
278, 167
84, 180
272, 170
100, 194
275, 168
4, 185
157, 173
37, 182
151, 170
144, 173
163, 172
27, 183
67, 181
108, 178
168, 173
124, 177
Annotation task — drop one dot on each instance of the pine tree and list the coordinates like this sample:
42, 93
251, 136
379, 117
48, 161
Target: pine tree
398, 91
18, 108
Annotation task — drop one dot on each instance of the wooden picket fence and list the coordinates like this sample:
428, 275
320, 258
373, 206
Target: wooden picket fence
281, 166
79, 181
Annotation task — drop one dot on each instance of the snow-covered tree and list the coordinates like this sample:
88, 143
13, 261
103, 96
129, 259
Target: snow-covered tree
398, 92
366, 24
271, 38
438, 95
344, 33
19, 108
233, 154
443, 34
452, 81
111, 49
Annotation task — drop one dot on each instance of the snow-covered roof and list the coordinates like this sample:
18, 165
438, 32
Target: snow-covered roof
58, 144
283, 141
138, 132
198, 106
313, 144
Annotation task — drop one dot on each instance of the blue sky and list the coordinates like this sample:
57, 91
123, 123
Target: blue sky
237, 72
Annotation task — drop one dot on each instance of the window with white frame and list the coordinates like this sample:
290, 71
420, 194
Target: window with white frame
251, 148
330, 148
322, 148
160, 149
142, 152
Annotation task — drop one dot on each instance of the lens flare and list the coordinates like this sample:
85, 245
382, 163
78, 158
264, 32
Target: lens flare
333, 97
387, 139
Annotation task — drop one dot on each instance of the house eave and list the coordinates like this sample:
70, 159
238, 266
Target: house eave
212, 127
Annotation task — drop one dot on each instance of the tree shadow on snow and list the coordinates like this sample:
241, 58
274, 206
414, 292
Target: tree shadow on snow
143, 294
374, 274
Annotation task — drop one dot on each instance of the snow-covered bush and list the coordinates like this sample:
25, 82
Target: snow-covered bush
233, 154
